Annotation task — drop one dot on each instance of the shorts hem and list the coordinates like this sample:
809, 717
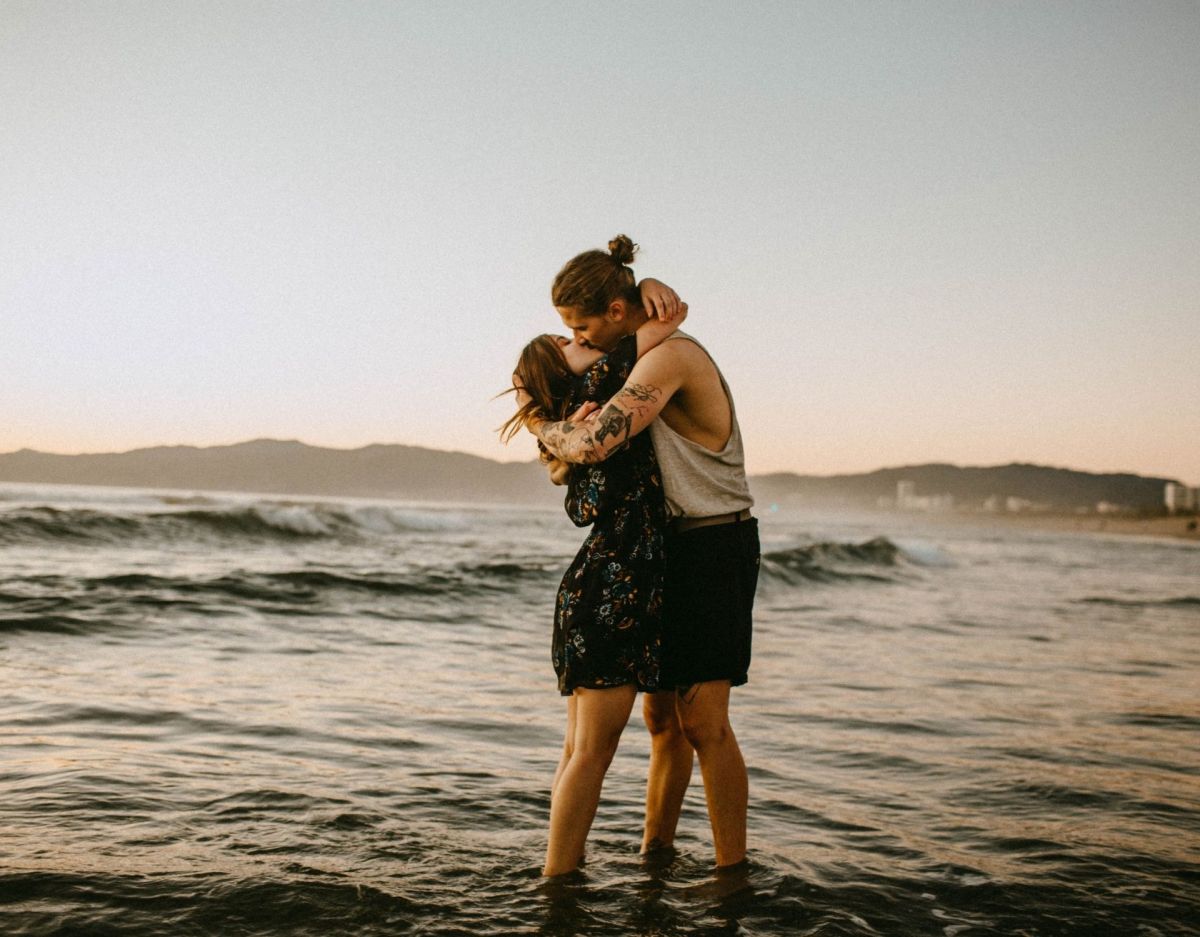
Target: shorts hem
641, 688
683, 683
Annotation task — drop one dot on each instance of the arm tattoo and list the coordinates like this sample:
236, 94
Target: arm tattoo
569, 442
638, 398
597, 439
643, 392
615, 423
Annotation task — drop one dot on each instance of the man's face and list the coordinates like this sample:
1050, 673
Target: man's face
602, 332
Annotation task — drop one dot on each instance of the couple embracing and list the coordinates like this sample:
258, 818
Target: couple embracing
636, 420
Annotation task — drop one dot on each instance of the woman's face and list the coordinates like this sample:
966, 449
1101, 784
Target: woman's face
577, 357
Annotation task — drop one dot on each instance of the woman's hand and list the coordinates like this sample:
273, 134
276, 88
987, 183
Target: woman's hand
532, 417
559, 470
522, 394
659, 300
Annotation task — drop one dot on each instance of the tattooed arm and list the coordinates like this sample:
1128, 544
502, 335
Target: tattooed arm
653, 381
653, 332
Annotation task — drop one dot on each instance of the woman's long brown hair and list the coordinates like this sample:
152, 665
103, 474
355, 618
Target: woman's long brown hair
542, 370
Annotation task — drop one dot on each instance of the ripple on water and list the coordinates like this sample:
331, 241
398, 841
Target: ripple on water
338, 723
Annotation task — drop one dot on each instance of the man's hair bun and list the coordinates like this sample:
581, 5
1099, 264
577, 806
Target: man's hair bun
592, 280
622, 249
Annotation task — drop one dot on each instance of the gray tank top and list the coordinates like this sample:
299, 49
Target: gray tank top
698, 482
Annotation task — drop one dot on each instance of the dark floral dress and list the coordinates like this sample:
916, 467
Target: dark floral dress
607, 620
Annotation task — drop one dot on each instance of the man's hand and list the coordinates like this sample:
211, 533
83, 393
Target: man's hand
659, 300
586, 409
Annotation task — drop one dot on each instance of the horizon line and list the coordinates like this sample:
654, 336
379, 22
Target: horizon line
300, 442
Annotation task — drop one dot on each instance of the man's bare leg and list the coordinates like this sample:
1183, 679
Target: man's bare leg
670, 769
704, 715
600, 715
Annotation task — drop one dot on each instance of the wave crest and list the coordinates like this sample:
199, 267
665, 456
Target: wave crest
833, 562
264, 520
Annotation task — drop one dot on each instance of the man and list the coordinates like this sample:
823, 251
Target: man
677, 394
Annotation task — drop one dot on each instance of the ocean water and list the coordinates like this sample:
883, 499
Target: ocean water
237, 715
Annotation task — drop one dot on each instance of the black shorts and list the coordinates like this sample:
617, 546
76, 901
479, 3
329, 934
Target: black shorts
708, 601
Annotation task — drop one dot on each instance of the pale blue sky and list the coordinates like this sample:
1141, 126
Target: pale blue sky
925, 231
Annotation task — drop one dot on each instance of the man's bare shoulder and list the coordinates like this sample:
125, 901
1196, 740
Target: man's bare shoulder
676, 353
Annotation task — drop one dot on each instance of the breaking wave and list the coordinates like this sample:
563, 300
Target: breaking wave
265, 520
79, 605
834, 562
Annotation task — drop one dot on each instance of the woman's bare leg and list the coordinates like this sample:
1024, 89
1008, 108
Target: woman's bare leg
670, 769
600, 716
568, 744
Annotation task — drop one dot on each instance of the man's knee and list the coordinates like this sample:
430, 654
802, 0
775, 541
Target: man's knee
705, 715
705, 726
661, 719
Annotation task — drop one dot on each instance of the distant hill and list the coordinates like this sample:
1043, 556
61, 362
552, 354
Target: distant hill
291, 467
970, 487
394, 471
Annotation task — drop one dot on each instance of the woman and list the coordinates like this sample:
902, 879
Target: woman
607, 614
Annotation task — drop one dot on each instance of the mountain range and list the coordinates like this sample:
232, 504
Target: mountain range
412, 472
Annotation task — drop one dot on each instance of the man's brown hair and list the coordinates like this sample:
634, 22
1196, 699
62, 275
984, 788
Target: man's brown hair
593, 279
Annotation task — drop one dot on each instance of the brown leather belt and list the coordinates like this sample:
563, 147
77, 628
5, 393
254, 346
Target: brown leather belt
680, 524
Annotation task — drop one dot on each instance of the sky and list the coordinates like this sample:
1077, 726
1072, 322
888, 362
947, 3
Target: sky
907, 232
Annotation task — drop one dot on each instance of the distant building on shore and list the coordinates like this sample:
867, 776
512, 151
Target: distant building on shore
1180, 498
907, 499
1010, 504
